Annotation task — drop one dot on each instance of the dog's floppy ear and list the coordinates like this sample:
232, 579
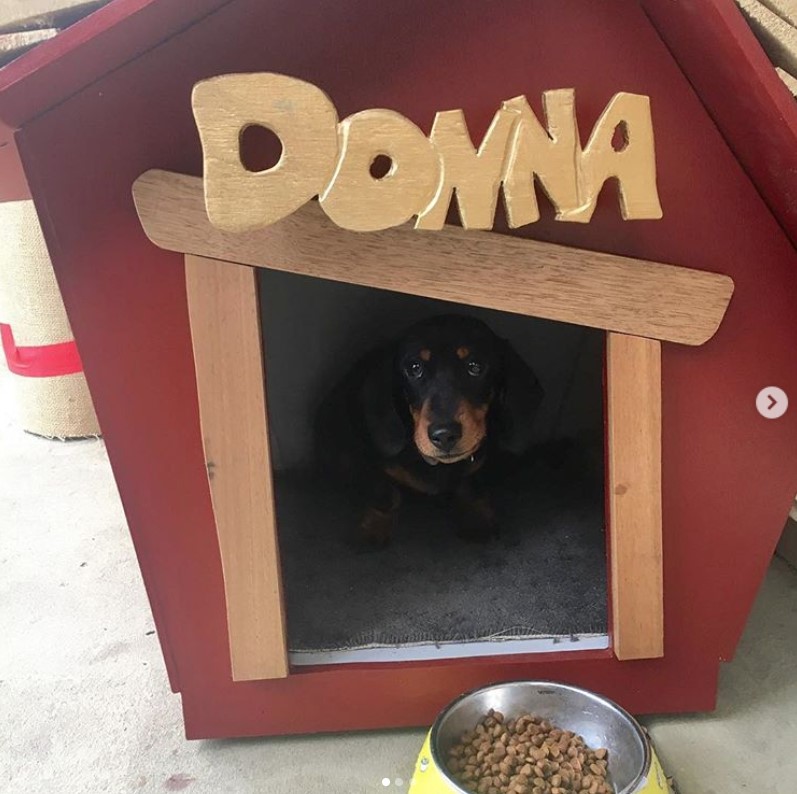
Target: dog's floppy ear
519, 396
378, 401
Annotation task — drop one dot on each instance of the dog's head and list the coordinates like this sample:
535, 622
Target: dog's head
449, 383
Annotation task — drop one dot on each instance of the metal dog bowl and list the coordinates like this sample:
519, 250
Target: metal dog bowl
633, 766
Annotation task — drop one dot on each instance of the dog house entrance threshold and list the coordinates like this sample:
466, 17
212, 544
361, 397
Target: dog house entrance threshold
453, 650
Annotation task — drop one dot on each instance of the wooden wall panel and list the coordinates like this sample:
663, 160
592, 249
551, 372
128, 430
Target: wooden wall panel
635, 523
225, 331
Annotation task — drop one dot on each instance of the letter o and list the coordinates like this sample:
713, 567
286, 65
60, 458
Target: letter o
357, 201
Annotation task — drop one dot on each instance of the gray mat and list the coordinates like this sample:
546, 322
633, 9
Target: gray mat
546, 575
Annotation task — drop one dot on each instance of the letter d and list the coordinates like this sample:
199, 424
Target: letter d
301, 115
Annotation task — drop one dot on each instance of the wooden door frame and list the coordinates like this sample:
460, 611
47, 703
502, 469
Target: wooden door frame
520, 276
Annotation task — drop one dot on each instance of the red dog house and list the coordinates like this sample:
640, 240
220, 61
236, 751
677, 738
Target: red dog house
709, 481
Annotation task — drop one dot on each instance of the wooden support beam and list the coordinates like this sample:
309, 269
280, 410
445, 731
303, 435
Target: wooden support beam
633, 373
613, 293
225, 330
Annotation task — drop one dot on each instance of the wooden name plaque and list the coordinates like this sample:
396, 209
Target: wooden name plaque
329, 158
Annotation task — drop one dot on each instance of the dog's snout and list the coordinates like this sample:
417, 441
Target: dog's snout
445, 435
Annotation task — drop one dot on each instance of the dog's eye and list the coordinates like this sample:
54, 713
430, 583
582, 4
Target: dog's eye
475, 368
414, 370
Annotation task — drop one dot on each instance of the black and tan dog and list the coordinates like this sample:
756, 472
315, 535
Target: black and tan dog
429, 412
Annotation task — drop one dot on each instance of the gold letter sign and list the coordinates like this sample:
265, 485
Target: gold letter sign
332, 159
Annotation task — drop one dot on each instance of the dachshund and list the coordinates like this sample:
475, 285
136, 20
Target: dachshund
427, 413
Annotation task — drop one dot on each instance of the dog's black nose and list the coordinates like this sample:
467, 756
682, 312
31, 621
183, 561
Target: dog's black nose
445, 435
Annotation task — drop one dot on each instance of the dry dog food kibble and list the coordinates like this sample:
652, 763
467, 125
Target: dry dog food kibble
526, 755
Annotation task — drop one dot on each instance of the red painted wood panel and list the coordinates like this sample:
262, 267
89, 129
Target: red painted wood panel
89, 49
739, 87
413, 695
728, 474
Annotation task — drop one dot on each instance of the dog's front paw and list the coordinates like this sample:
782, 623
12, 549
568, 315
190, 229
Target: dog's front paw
376, 528
476, 521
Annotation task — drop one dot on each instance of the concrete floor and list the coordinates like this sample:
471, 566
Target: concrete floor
86, 707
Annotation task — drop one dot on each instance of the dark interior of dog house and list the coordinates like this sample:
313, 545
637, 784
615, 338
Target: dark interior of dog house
540, 586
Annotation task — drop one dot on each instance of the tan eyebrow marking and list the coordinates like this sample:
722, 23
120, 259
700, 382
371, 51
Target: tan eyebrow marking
425, 354
463, 352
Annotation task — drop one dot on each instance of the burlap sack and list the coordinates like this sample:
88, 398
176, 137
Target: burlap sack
30, 302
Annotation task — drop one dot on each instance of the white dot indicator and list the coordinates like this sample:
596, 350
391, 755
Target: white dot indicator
385, 781
772, 402
399, 782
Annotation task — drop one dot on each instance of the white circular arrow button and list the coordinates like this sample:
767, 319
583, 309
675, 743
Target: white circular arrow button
772, 402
